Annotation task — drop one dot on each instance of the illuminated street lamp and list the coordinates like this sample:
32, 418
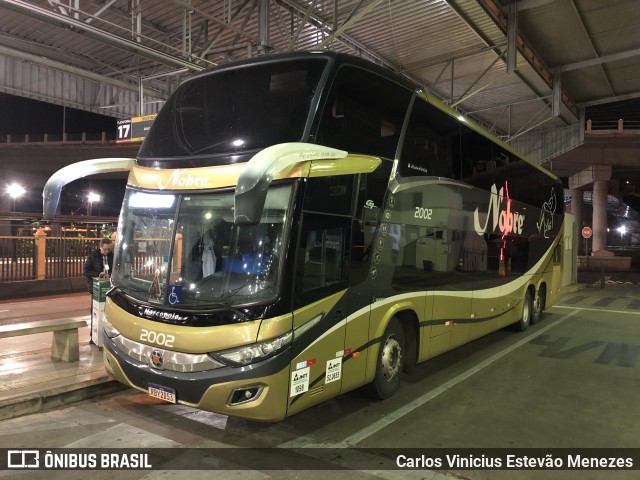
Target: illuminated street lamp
15, 190
622, 230
91, 198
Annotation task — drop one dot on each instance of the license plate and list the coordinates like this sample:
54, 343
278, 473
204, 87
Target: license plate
163, 393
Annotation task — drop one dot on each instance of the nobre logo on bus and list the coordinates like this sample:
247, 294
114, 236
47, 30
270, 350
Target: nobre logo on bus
183, 179
499, 210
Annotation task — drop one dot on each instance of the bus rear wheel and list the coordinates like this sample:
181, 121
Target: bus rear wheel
390, 361
527, 311
538, 305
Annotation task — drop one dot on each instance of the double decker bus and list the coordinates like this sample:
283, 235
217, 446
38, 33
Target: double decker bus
297, 226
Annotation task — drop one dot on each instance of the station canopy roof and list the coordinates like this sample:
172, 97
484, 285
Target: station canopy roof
515, 67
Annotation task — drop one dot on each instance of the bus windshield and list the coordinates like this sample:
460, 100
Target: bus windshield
235, 110
184, 249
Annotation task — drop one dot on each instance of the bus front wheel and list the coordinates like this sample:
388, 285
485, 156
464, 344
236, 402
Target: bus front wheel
390, 361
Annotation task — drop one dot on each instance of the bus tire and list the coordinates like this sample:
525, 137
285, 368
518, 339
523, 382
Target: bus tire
527, 310
538, 305
390, 361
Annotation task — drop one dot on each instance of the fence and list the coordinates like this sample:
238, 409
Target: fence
102, 137
42, 257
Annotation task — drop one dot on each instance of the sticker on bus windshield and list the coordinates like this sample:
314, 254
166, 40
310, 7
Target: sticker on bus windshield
175, 294
334, 370
300, 381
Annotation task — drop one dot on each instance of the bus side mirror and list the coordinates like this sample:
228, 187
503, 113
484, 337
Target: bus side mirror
264, 167
250, 204
53, 187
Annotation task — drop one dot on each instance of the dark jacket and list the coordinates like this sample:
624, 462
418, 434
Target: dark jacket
94, 265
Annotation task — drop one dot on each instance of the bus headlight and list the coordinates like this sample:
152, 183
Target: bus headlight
247, 354
109, 330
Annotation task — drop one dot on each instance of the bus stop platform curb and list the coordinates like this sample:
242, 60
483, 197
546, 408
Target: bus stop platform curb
57, 397
31, 381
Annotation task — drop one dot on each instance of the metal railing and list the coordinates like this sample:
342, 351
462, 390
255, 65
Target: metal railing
612, 126
46, 256
65, 257
83, 137
16, 258
42, 257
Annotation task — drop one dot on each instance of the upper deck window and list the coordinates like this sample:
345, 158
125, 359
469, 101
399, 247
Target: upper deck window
237, 109
363, 113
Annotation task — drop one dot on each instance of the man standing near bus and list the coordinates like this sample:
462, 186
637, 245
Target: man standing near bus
99, 263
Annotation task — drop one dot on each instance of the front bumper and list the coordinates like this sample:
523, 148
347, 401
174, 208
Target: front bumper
211, 390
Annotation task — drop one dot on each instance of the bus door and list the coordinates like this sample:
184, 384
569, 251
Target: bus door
357, 330
366, 267
320, 287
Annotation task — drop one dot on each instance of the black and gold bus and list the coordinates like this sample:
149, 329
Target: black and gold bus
297, 226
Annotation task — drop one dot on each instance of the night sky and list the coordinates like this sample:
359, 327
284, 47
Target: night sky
22, 115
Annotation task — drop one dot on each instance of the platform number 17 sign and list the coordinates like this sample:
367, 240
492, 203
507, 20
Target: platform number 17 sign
124, 131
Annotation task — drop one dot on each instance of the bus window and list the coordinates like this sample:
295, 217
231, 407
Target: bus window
322, 257
371, 193
330, 195
235, 110
322, 262
426, 149
363, 120
477, 160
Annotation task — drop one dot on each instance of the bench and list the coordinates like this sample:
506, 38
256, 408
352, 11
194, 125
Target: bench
65, 344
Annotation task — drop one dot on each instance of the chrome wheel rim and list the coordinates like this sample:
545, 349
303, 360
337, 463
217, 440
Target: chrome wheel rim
526, 312
391, 359
537, 306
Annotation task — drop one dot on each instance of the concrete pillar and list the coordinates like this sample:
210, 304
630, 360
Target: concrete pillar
598, 176
576, 206
600, 192
40, 258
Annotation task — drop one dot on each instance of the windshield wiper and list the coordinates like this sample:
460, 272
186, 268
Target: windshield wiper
231, 293
203, 303
223, 305
128, 288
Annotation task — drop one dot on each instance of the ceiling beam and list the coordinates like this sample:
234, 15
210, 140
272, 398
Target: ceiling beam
322, 24
353, 19
466, 53
586, 31
186, 4
495, 12
211, 43
100, 11
34, 11
617, 98
79, 72
114, 10
598, 61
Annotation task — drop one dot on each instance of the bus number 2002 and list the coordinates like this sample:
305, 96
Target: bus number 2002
150, 336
